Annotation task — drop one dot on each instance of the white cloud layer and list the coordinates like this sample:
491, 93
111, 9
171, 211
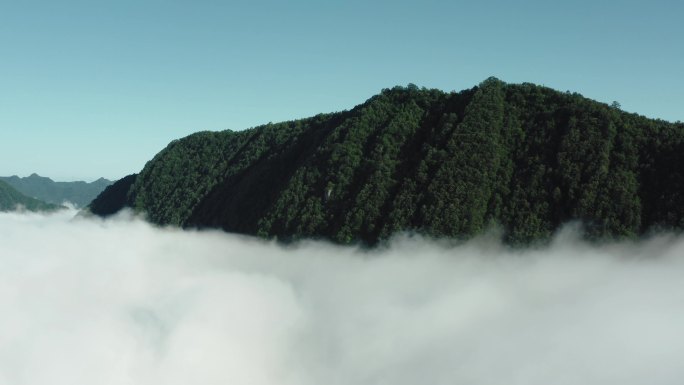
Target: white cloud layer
93, 302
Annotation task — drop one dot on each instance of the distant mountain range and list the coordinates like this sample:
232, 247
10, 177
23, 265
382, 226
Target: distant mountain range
11, 199
79, 193
522, 158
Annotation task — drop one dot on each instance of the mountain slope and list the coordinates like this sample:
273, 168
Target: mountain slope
522, 157
11, 199
79, 193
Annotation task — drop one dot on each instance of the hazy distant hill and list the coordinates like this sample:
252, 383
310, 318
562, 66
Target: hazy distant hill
11, 199
79, 193
520, 157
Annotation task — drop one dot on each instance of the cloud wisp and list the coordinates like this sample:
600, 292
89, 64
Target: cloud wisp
86, 301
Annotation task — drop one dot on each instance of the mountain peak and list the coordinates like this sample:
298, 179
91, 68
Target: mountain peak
519, 157
35, 176
43, 188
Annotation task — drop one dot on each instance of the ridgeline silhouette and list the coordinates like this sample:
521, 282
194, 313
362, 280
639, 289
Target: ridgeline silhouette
523, 158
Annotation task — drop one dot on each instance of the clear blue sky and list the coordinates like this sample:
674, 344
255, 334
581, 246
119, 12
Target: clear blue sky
96, 88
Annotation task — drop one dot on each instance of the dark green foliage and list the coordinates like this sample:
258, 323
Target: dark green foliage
11, 199
114, 197
79, 193
523, 158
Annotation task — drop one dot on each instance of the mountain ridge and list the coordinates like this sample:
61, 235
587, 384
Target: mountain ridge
520, 157
11, 200
79, 193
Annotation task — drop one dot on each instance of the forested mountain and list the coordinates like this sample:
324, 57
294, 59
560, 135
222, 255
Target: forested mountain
520, 157
79, 193
11, 199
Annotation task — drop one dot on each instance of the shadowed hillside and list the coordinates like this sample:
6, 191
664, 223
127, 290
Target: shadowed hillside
519, 157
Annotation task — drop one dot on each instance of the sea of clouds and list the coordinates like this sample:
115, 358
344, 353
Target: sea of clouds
87, 301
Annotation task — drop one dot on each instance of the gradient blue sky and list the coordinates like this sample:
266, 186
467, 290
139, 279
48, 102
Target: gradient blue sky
97, 88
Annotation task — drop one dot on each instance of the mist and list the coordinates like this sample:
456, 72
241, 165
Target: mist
88, 301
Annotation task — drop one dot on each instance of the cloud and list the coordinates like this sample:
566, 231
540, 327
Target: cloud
86, 301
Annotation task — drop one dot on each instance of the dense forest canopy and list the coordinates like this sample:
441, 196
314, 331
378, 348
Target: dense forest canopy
519, 157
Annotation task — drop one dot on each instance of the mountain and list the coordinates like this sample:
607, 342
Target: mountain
11, 199
79, 193
522, 158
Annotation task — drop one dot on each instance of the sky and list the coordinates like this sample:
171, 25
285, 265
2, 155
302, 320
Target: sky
93, 89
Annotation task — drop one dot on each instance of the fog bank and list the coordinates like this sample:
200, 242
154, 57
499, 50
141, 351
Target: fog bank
86, 301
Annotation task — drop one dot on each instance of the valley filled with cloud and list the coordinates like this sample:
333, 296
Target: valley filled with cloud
119, 301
